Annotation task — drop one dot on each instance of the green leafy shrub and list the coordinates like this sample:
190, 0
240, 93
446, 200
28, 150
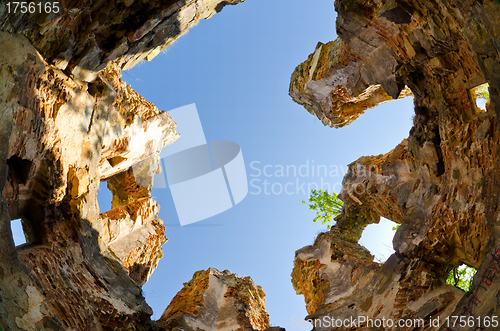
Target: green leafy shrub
461, 277
327, 206
482, 91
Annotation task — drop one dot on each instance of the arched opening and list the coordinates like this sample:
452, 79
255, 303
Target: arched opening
461, 277
377, 238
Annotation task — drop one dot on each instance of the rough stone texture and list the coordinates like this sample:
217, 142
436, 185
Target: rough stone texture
135, 235
325, 95
215, 300
68, 122
441, 184
85, 35
148, 127
53, 129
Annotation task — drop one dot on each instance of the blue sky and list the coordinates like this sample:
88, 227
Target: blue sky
236, 68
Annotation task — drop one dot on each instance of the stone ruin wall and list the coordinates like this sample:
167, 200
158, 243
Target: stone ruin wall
440, 184
68, 122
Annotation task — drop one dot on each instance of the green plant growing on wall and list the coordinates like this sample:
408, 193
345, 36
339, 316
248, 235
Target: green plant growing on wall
461, 277
327, 206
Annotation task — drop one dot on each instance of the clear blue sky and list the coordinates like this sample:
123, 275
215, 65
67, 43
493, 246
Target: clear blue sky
236, 67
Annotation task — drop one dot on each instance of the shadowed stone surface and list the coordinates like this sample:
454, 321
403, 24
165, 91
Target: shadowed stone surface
68, 122
441, 184
84, 36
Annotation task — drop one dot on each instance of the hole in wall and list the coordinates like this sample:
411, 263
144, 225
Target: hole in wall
20, 168
377, 238
105, 197
114, 161
18, 232
482, 96
461, 277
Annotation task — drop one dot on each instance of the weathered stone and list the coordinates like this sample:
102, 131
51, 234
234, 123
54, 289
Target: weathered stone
83, 36
53, 150
135, 129
68, 122
441, 184
135, 235
215, 300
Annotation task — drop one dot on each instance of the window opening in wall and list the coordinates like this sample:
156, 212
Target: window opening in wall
20, 168
104, 197
482, 96
377, 238
18, 232
461, 277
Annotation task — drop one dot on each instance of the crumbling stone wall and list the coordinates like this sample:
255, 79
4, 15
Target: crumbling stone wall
215, 300
68, 122
441, 184
66, 277
84, 36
